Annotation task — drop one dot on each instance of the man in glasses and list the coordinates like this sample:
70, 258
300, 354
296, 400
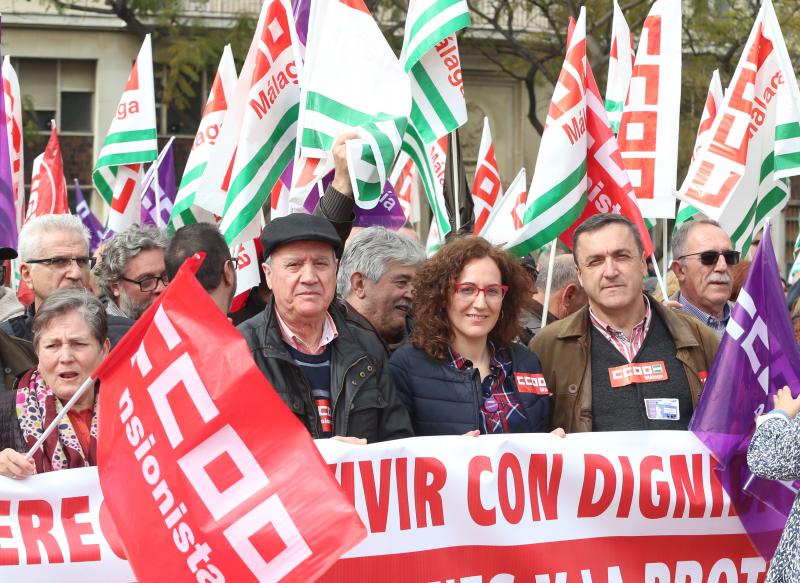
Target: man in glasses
703, 257
217, 274
625, 362
54, 254
131, 271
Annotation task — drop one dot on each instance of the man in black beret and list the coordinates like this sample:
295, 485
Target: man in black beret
332, 374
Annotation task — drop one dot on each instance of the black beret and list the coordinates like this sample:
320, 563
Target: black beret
7, 253
298, 227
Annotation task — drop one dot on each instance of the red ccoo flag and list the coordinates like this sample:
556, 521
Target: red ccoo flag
48, 186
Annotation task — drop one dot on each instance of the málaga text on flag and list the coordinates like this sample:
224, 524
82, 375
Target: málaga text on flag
648, 136
130, 142
159, 189
506, 218
430, 56
184, 211
48, 185
267, 140
687, 212
13, 103
487, 187
758, 355
739, 177
620, 67
352, 81
198, 486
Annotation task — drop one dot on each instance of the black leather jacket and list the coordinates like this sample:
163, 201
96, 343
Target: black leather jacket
365, 403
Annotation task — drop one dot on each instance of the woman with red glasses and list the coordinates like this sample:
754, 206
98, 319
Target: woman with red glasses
462, 372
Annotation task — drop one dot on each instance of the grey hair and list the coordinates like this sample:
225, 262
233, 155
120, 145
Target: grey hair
65, 301
371, 253
123, 247
30, 237
682, 234
565, 272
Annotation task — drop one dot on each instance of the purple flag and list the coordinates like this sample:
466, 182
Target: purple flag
8, 216
97, 232
162, 185
301, 10
758, 355
387, 213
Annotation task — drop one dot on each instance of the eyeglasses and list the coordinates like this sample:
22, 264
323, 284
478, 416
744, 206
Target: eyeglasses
148, 284
470, 291
711, 257
65, 262
234, 263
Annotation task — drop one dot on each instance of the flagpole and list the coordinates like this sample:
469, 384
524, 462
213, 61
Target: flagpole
550, 262
64, 410
660, 279
157, 191
664, 245
454, 181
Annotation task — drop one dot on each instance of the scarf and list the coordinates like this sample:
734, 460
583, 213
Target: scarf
37, 406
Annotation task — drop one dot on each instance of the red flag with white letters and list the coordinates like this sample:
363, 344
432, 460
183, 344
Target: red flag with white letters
48, 186
206, 473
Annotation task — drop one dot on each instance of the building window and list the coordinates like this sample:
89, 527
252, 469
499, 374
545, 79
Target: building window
59, 89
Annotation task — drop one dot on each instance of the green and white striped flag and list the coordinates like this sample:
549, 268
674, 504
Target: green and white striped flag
430, 56
686, 212
620, 67
740, 177
352, 81
558, 188
267, 140
130, 142
184, 211
430, 161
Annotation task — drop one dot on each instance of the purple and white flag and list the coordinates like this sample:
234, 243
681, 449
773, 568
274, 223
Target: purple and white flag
97, 232
8, 216
159, 185
758, 355
301, 9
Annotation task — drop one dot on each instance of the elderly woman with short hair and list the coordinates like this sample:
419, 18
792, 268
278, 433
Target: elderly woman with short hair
462, 372
69, 337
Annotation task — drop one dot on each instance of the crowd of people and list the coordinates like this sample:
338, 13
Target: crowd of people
366, 340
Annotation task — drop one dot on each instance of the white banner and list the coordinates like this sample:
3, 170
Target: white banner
611, 507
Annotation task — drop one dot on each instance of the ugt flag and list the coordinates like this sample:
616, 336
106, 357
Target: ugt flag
97, 233
130, 142
207, 474
739, 177
48, 185
758, 355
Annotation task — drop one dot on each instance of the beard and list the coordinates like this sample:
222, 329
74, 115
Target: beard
130, 307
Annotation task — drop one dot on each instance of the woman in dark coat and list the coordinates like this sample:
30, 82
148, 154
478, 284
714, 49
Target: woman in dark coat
462, 372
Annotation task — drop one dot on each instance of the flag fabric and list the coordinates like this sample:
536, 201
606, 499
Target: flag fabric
740, 177
300, 11
130, 142
184, 211
404, 178
487, 188
687, 212
430, 161
506, 218
434, 241
267, 140
591, 178
13, 100
757, 356
244, 485
620, 67
795, 270
159, 189
343, 90
48, 185
648, 136
97, 233
456, 191
559, 184
430, 56
387, 213
8, 213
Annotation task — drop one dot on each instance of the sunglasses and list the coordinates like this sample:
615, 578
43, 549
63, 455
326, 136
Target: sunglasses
711, 257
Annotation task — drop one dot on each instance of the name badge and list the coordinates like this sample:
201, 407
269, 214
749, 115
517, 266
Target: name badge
663, 409
531, 383
644, 372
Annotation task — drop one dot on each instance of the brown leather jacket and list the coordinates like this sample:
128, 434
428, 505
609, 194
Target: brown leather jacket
563, 349
16, 356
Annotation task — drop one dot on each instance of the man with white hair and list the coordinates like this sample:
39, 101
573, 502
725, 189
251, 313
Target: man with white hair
374, 280
703, 257
54, 254
131, 271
